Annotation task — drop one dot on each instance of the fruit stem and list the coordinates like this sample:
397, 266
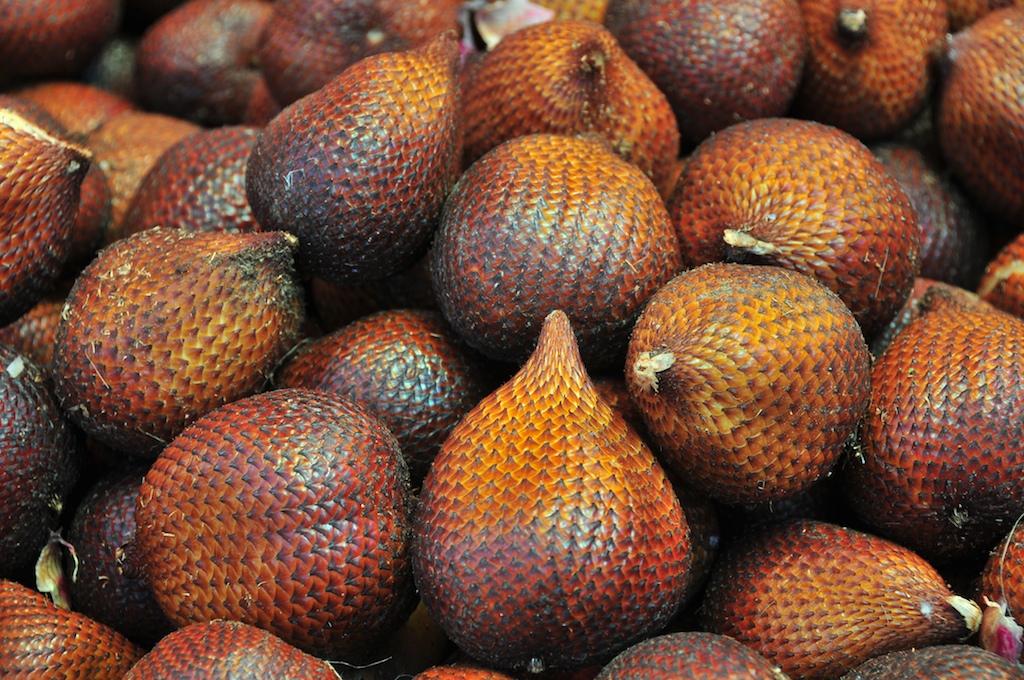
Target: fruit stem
744, 241
647, 367
851, 23
968, 609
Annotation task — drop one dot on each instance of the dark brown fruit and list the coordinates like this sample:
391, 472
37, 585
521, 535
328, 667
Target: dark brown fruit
33, 334
360, 169
197, 184
869, 64
547, 535
807, 197
288, 510
980, 118
717, 62
942, 464
40, 640
546, 222
939, 662
750, 378
1002, 282
227, 649
690, 656
200, 61
817, 599
166, 325
570, 77
81, 108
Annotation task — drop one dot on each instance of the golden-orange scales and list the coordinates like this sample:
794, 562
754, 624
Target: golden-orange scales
690, 655
1002, 282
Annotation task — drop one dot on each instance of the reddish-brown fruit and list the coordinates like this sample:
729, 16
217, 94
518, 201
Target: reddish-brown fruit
750, 379
941, 467
1002, 584
718, 62
197, 184
954, 238
937, 662
227, 649
869, 64
359, 170
91, 222
591, 10
817, 599
307, 44
200, 61
103, 522
53, 37
34, 333
41, 640
461, 671
262, 106
980, 118
547, 534
963, 13
404, 366
39, 196
1002, 282
807, 197
81, 108
167, 324
570, 77
690, 656
546, 222
288, 510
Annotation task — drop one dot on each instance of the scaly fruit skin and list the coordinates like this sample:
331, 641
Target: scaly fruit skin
718, 62
34, 333
166, 325
359, 170
1002, 282
1002, 578
942, 467
750, 379
817, 599
570, 77
688, 655
227, 649
980, 119
547, 535
869, 62
546, 222
40, 640
937, 662
289, 510
460, 672
963, 13
807, 197
81, 108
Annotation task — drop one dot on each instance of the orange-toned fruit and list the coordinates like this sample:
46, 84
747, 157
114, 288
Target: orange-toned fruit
807, 197
937, 662
817, 599
545, 222
592, 10
869, 63
92, 220
227, 649
569, 77
289, 510
692, 655
941, 467
1002, 282
167, 324
718, 62
359, 170
81, 108
980, 117
750, 378
1001, 584
547, 535
34, 332
461, 671
197, 184
963, 13
40, 640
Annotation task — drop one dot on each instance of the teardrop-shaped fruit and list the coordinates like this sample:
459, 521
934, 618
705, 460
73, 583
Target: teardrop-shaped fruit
569, 77
545, 222
804, 196
980, 117
289, 510
717, 61
689, 655
869, 64
937, 662
227, 649
39, 195
817, 599
750, 379
1002, 282
547, 534
941, 467
40, 640
166, 325
359, 169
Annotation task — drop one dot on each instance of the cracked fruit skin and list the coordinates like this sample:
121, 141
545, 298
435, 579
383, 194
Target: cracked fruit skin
547, 534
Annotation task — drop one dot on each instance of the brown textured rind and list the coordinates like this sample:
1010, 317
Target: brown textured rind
817, 599
963, 13
360, 169
937, 662
461, 671
34, 333
1002, 282
690, 655
804, 196
40, 640
766, 376
289, 510
80, 107
1002, 577
547, 535
166, 325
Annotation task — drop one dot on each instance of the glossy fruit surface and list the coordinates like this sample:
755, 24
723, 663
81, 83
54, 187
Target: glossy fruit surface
689, 656
1002, 282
